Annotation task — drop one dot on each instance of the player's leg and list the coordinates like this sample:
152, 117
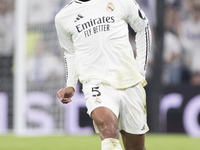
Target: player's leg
107, 124
133, 141
132, 118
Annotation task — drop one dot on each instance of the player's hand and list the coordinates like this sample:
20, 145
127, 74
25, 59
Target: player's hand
66, 94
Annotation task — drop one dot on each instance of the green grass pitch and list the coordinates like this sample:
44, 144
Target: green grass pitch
153, 142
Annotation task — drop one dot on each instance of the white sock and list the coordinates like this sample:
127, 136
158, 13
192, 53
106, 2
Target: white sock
110, 144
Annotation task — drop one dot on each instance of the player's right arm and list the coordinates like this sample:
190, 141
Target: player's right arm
66, 43
66, 94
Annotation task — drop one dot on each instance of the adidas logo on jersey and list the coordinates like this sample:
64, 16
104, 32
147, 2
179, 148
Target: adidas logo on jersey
79, 16
143, 128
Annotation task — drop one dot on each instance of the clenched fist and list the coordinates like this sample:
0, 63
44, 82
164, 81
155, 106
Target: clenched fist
66, 94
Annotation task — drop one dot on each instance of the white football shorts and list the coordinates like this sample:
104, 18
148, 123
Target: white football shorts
129, 105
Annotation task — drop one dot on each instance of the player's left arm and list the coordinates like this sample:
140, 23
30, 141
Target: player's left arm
139, 23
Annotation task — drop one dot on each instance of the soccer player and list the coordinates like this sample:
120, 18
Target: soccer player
97, 51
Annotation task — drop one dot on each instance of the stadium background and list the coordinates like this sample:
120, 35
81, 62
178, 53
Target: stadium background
34, 67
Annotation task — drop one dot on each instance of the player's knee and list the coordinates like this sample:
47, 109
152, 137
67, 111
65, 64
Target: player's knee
107, 126
107, 129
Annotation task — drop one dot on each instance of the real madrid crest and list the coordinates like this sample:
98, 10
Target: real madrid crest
98, 101
110, 7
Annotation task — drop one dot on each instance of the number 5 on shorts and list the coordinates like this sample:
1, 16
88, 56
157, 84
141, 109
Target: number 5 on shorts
97, 93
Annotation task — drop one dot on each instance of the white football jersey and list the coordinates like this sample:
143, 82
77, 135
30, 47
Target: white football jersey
94, 37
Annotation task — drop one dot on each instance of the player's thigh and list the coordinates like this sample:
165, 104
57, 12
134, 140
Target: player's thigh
133, 141
132, 118
103, 115
106, 122
101, 96
103, 108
